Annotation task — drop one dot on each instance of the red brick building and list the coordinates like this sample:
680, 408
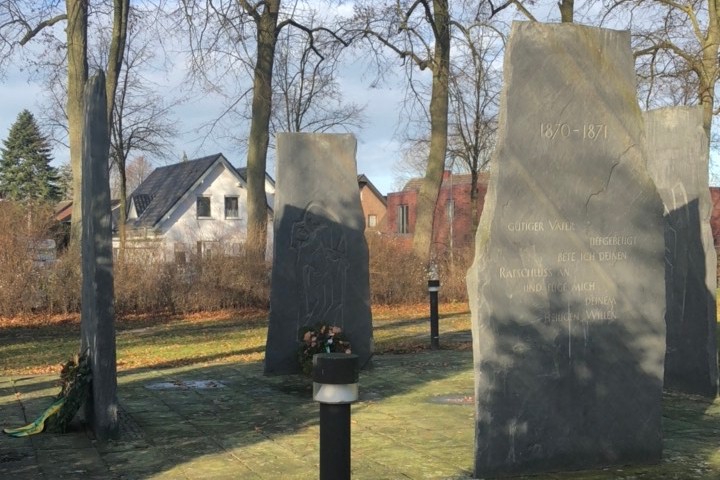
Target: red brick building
453, 227
715, 216
458, 233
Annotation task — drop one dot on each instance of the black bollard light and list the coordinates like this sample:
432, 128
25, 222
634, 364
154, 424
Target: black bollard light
433, 289
335, 387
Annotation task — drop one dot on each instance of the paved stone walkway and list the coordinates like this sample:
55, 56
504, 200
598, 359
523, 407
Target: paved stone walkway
414, 421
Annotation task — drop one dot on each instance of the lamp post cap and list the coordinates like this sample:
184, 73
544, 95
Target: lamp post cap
336, 368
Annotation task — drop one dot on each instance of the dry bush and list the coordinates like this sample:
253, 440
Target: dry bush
64, 283
23, 274
143, 286
231, 282
452, 270
202, 284
397, 276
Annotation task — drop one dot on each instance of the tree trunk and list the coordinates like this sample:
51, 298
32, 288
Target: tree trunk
259, 129
567, 10
711, 68
430, 187
77, 12
121, 9
473, 200
122, 218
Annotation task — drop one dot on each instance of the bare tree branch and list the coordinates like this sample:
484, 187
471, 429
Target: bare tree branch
521, 8
45, 23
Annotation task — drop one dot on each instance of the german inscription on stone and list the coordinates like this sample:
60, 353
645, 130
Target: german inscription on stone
678, 162
566, 290
320, 256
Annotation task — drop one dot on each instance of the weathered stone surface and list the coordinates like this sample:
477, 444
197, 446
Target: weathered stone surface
566, 290
677, 152
320, 260
98, 315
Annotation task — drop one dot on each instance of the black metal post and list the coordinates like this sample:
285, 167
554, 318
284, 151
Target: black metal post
433, 289
335, 378
334, 441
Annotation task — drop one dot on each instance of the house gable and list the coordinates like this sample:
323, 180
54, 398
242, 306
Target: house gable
183, 224
374, 204
156, 199
194, 206
208, 177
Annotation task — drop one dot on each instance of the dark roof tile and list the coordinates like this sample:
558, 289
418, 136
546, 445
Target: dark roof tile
165, 186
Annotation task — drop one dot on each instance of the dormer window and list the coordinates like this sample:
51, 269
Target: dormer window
203, 207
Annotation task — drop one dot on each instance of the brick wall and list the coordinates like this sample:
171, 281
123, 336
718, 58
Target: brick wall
452, 227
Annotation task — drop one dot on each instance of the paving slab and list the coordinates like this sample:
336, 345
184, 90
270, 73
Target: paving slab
261, 427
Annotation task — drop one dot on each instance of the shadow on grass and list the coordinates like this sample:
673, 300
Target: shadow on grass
256, 422
262, 416
194, 360
390, 324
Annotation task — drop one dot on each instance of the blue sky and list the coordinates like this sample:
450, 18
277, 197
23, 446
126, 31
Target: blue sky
377, 148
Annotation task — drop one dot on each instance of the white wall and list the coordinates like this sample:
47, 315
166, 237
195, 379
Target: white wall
184, 227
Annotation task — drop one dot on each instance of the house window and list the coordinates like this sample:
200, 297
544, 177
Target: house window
203, 207
236, 248
372, 221
402, 218
205, 248
232, 207
180, 256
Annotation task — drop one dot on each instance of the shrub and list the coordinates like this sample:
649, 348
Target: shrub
397, 276
202, 284
23, 229
64, 281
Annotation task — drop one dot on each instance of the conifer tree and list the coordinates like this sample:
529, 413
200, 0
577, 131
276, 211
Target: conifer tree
25, 170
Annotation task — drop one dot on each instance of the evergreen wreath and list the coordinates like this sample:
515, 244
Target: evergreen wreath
75, 378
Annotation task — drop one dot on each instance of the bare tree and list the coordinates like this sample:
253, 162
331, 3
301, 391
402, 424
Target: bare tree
412, 163
137, 170
566, 8
676, 48
242, 35
141, 120
474, 97
417, 32
307, 95
22, 21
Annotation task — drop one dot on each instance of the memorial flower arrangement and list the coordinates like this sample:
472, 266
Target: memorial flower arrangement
321, 338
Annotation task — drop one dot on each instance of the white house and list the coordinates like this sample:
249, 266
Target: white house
197, 206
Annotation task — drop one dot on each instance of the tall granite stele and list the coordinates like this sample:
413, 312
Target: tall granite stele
567, 291
677, 149
98, 315
320, 269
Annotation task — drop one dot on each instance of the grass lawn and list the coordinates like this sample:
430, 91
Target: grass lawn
32, 345
40, 344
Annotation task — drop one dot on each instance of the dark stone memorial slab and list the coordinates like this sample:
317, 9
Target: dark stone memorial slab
677, 149
98, 315
566, 290
320, 255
